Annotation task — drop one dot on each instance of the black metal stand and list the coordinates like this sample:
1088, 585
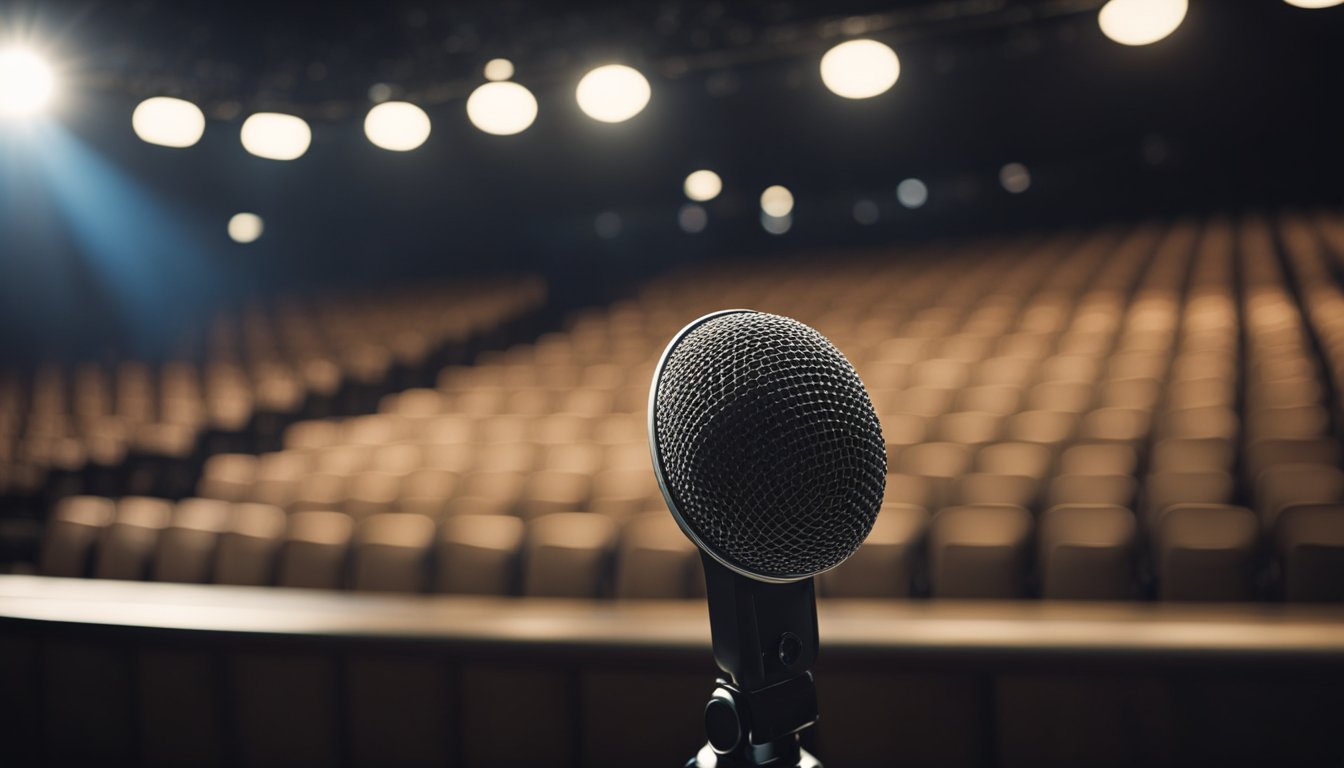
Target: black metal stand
765, 640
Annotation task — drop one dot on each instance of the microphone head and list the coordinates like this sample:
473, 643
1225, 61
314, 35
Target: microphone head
766, 445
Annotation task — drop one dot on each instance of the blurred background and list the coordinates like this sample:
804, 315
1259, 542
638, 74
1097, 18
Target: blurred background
328, 334
1229, 109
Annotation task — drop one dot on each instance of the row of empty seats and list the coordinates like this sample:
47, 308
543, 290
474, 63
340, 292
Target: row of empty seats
985, 551
267, 360
249, 544
1125, 396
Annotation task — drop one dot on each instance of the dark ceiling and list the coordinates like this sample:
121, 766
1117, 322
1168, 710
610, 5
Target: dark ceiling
1238, 109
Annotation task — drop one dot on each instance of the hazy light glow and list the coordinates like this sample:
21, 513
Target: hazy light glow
692, 218
275, 136
1313, 3
866, 212
702, 186
502, 109
245, 227
860, 69
26, 83
1015, 178
613, 93
776, 201
498, 69
168, 122
776, 225
607, 225
1141, 22
398, 126
912, 193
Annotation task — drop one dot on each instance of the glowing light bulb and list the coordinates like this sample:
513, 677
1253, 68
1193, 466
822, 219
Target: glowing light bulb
26, 83
860, 69
613, 93
502, 109
398, 126
702, 186
168, 122
1141, 22
275, 136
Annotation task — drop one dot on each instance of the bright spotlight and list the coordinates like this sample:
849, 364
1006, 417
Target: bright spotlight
1015, 178
498, 69
275, 136
613, 93
1141, 22
398, 126
1313, 3
860, 69
26, 83
777, 201
245, 227
912, 193
502, 108
702, 186
168, 122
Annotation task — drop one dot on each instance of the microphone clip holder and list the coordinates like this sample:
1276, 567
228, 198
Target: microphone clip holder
765, 640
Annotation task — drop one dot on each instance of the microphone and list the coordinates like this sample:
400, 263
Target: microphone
771, 460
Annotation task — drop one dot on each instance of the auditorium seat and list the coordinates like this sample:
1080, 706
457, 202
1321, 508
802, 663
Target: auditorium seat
126, 546
940, 463
654, 559
478, 555
1309, 544
900, 430
1301, 422
979, 552
1193, 455
1061, 396
371, 492
74, 528
228, 476
1026, 459
503, 488
1212, 422
391, 552
917, 490
969, 428
887, 563
186, 548
988, 398
1049, 428
551, 492
426, 492
1121, 425
987, 488
1285, 485
1164, 489
1087, 552
249, 545
320, 491
1098, 459
1116, 490
315, 549
568, 554
1206, 552
1265, 453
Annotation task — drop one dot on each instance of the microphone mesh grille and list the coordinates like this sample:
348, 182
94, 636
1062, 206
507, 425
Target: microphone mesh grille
768, 443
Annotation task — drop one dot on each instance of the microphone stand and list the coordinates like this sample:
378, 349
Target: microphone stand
765, 641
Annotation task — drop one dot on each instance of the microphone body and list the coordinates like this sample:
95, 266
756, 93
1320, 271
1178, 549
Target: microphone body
771, 460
